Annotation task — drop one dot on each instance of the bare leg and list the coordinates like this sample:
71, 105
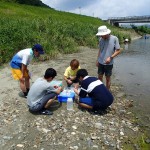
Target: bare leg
47, 105
22, 85
85, 106
100, 77
108, 82
27, 82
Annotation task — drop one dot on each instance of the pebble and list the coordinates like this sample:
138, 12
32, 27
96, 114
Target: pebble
74, 127
98, 125
147, 141
20, 145
77, 130
73, 133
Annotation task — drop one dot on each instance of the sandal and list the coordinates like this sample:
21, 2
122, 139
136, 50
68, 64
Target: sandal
46, 112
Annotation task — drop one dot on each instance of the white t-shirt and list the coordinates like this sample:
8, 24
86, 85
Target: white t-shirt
22, 57
26, 55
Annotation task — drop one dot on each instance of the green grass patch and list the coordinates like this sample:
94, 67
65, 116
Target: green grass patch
137, 142
21, 26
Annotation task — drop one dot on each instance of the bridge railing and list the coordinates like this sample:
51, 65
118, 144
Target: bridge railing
129, 17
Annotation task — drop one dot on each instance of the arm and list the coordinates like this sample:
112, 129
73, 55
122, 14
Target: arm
117, 49
82, 92
117, 52
24, 70
72, 78
66, 76
76, 90
67, 80
97, 63
59, 90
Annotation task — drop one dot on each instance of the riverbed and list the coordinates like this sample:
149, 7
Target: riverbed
76, 130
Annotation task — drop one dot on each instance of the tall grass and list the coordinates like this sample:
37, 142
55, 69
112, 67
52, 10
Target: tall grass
22, 26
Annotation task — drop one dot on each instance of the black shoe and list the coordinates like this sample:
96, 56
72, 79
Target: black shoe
21, 94
46, 112
33, 112
100, 112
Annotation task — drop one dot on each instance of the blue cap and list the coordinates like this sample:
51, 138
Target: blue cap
39, 48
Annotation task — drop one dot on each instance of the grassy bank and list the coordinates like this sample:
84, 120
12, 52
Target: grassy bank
22, 26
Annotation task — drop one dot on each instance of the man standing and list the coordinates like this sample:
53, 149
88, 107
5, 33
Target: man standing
19, 64
108, 48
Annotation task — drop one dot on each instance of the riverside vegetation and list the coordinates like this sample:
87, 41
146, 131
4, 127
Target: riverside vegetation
22, 26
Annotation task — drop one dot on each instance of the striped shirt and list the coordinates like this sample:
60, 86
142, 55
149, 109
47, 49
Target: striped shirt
95, 89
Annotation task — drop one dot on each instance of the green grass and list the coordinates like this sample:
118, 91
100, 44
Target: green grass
22, 26
139, 141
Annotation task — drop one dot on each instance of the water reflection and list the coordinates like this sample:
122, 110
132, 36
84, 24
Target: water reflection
132, 69
126, 45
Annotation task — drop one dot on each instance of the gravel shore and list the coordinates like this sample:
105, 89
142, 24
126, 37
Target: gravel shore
64, 130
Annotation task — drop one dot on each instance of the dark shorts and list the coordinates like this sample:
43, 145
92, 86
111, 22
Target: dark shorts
99, 106
40, 105
105, 69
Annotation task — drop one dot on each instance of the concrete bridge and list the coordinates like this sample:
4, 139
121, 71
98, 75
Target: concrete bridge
131, 19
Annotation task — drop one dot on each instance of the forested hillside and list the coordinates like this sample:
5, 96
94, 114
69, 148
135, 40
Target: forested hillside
27, 2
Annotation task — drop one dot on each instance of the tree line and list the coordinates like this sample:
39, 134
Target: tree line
141, 29
27, 2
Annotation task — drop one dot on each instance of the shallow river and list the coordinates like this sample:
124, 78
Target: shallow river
132, 70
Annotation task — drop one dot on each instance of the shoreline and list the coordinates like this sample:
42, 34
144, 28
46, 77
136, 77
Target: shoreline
135, 38
140, 117
65, 130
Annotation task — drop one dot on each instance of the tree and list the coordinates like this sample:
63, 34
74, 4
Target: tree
28, 2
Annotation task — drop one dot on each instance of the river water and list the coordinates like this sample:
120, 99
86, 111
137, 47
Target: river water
132, 70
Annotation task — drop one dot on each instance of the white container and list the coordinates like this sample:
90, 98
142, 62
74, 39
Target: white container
69, 104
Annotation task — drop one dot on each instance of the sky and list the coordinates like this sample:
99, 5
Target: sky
102, 9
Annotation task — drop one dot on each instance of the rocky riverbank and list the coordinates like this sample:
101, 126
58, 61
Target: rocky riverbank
64, 130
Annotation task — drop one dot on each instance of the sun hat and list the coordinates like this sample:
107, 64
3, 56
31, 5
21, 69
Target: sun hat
126, 40
39, 48
103, 30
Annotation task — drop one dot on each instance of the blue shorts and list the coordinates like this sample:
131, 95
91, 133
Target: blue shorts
97, 105
86, 100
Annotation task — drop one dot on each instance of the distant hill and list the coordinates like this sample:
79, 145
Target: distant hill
27, 2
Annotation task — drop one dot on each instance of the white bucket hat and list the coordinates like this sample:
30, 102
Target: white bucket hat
126, 40
103, 30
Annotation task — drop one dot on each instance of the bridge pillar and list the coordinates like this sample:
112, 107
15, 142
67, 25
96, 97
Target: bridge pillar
111, 22
116, 24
